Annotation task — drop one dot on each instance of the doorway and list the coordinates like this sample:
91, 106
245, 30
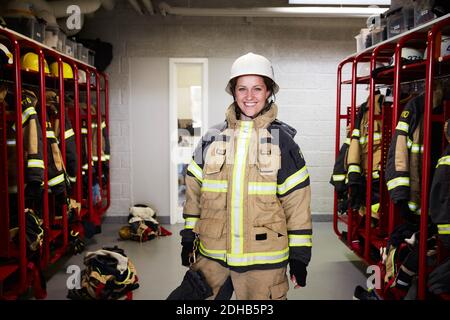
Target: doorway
188, 122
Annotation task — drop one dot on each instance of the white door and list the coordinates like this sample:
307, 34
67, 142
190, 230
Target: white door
188, 122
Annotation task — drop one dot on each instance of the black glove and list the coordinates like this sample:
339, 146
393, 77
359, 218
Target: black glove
298, 269
76, 243
186, 252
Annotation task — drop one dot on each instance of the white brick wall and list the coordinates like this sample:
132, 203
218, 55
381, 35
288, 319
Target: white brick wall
305, 54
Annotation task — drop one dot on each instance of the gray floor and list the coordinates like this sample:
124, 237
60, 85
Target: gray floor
332, 274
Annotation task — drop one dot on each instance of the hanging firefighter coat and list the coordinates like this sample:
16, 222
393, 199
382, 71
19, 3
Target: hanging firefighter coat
248, 194
440, 194
32, 142
404, 162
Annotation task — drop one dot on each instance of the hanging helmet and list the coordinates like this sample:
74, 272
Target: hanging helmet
30, 62
67, 70
251, 63
5, 54
125, 233
81, 76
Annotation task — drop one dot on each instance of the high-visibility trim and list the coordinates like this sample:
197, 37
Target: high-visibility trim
293, 181
214, 186
402, 126
84, 130
237, 192
107, 157
189, 223
195, 169
85, 166
339, 177
414, 207
376, 174
127, 279
56, 180
72, 179
35, 163
365, 139
354, 168
248, 259
398, 182
347, 141
444, 161
304, 240
215, 254
356, 133
443, 228
25, 115
103, 125
417, 148
93, 125
11, 142
68, 133
50, 134
95, 158
262, 188
375, 207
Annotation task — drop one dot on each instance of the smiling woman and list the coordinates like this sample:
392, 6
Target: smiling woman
247, 211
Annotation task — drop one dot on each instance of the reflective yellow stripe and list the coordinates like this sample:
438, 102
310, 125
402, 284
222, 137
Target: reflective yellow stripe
237, 195
365, 139
214, 186
354, 168
107, 157
11, 142
35, 163
402, 126
56, 180
376, 174
300, 240
262, 188
293, 181
189, 223
248, 259
68, 134
444, 161
355, 133
103, 124
417, 148
338, 177
85, 166
443, 228
195, 169
51, 134
84, 130
398, 182
72, 179
25, 115
215, 254
347, 141
414, 207
375, 207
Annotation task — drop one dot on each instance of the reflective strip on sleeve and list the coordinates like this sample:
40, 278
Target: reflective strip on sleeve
103, 124
347, 141
107, 156
416, 148
355, 133
375, 207
72, 179
354, 168
414, 207
303, 240
376, 174
84, 130
68, 134
262, 188
338, 177
25, 115
365, 139
398, 182
195, 169
214, 186
443, 228
292, 181
11, 142
35, 163
402, 126
50, 134
444, 161
189, 223
56, 180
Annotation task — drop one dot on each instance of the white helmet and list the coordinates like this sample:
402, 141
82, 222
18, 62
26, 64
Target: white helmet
5, 51
409, 54
251, 63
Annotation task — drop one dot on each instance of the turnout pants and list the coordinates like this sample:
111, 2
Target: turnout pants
250, 285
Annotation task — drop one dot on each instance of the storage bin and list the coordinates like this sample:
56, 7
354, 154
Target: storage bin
423, 12
399, 21
29, 27
91, 57
70, 47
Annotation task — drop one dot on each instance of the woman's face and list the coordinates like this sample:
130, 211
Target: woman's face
251, 94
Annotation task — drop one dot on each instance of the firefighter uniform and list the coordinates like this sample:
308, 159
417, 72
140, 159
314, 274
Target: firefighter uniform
248, 200
440, 194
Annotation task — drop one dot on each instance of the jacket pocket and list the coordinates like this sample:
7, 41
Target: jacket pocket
215, 159
211, 228
269, 159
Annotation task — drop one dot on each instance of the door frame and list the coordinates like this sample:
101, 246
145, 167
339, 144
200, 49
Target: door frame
173, 126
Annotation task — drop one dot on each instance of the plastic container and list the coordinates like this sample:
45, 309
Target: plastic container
423, 12
91, 57
79, 51
84, 56
29, 27
399, 21
362, 39
70, 47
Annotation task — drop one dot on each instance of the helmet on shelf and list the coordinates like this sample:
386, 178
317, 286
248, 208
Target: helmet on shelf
5, 54
67, 70
30, 62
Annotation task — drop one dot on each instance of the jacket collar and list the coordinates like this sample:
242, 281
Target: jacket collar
261, 121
